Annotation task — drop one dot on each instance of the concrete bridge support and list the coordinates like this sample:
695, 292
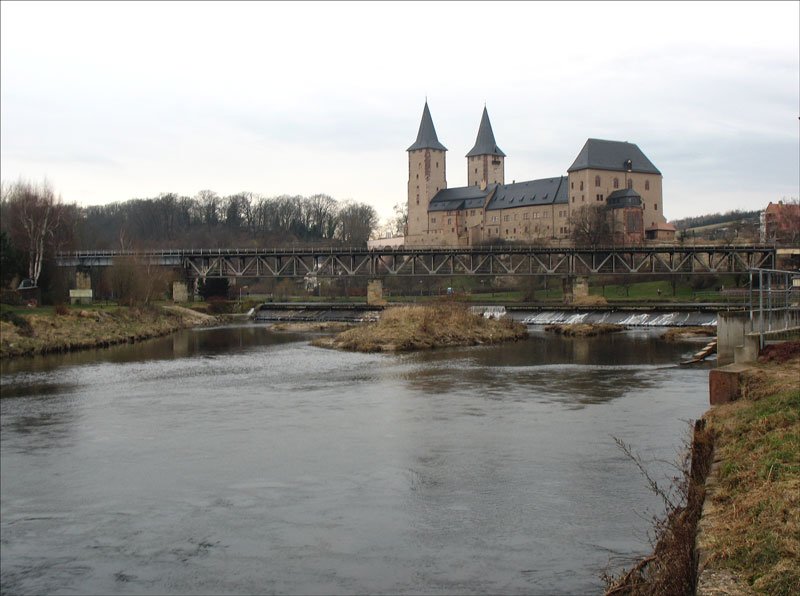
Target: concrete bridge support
180, 291
575, 288
375, 292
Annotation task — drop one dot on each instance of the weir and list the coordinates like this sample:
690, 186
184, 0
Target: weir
630, 319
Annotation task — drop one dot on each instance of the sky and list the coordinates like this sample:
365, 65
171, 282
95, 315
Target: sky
110, 101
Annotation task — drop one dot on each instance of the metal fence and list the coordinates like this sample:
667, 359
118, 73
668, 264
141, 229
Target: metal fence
774, 304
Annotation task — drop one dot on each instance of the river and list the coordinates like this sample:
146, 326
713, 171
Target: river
239, 460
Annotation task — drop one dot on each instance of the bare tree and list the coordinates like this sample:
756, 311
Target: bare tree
356, 223
590, 226
36, 217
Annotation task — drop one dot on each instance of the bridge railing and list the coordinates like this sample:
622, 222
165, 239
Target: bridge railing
774, 303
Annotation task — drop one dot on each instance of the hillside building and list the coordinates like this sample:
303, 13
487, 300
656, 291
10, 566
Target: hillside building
612, 174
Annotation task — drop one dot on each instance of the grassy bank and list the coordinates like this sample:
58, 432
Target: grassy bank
406, 328
748, 537
66, 329
584, 329
751, 533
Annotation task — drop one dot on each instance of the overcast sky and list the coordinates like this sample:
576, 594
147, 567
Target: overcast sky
113, 101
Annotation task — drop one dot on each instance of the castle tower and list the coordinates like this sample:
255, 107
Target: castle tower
426, 176
485, 160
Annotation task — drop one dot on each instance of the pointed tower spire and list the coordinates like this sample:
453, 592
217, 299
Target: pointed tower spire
485, 143
426, 137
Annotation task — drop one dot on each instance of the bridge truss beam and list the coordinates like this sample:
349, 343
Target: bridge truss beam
506, 261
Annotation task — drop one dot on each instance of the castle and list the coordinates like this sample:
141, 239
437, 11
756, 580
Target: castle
612, 174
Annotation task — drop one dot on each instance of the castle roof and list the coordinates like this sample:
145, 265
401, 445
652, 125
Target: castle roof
545, 191
598, 154
485, 143
624, 197
462, 197
426, 137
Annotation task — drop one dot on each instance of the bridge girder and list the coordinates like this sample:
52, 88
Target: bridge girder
506, 261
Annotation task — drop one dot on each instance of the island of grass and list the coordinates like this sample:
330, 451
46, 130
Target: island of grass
407, 328
584, 329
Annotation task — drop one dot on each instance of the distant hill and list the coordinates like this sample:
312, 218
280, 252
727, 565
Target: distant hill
712, 219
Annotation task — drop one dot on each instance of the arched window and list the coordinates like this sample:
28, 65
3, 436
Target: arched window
616, 182
597, 180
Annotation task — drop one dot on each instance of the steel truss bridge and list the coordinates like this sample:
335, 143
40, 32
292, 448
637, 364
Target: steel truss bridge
486, 261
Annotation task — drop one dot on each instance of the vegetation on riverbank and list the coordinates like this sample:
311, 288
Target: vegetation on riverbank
64, 329
406, 328
303, 327
749, 532
752, 531
584, 329
682, 333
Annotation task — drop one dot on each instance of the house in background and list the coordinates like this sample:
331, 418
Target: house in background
780, 223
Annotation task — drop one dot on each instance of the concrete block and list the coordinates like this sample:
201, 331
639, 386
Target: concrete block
375, 292
180, 291
748, 351
725, 383
80, 296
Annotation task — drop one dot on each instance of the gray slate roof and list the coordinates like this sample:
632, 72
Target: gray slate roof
624, 197
545, 191
485, 143
612, 155
426, 137
463, 197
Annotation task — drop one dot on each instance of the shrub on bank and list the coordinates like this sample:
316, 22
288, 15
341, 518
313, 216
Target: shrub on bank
406, 328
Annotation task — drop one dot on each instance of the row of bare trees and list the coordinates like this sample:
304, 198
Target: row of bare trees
208, 220
35, 224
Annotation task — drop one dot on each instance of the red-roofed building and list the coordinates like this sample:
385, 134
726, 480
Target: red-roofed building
780, 222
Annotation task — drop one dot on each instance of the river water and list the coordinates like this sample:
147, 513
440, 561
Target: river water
240, 460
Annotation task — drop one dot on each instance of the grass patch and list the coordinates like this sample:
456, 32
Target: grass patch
80, 328
418, 327
584, 329
756, 526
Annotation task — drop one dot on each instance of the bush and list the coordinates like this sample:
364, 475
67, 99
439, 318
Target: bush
61, 309
219, 306
22, 324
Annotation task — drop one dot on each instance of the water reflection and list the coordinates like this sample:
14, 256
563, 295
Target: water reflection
243, 461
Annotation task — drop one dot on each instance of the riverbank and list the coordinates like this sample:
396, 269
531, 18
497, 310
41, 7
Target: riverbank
749, 536
584, 329
736, 530
65, 330
408, 328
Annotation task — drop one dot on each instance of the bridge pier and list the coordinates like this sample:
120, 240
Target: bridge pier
575, 288
180, 291
375, 292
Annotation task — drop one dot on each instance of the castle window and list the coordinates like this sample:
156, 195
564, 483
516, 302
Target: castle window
630, 183
433, 220
655, 206
597, 180
449, 220
572, 186
616, 182
581, 185
647, 185
437, 165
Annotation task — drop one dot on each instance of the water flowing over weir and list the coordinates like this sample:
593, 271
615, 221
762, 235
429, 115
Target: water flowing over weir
637, 318
632, 319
